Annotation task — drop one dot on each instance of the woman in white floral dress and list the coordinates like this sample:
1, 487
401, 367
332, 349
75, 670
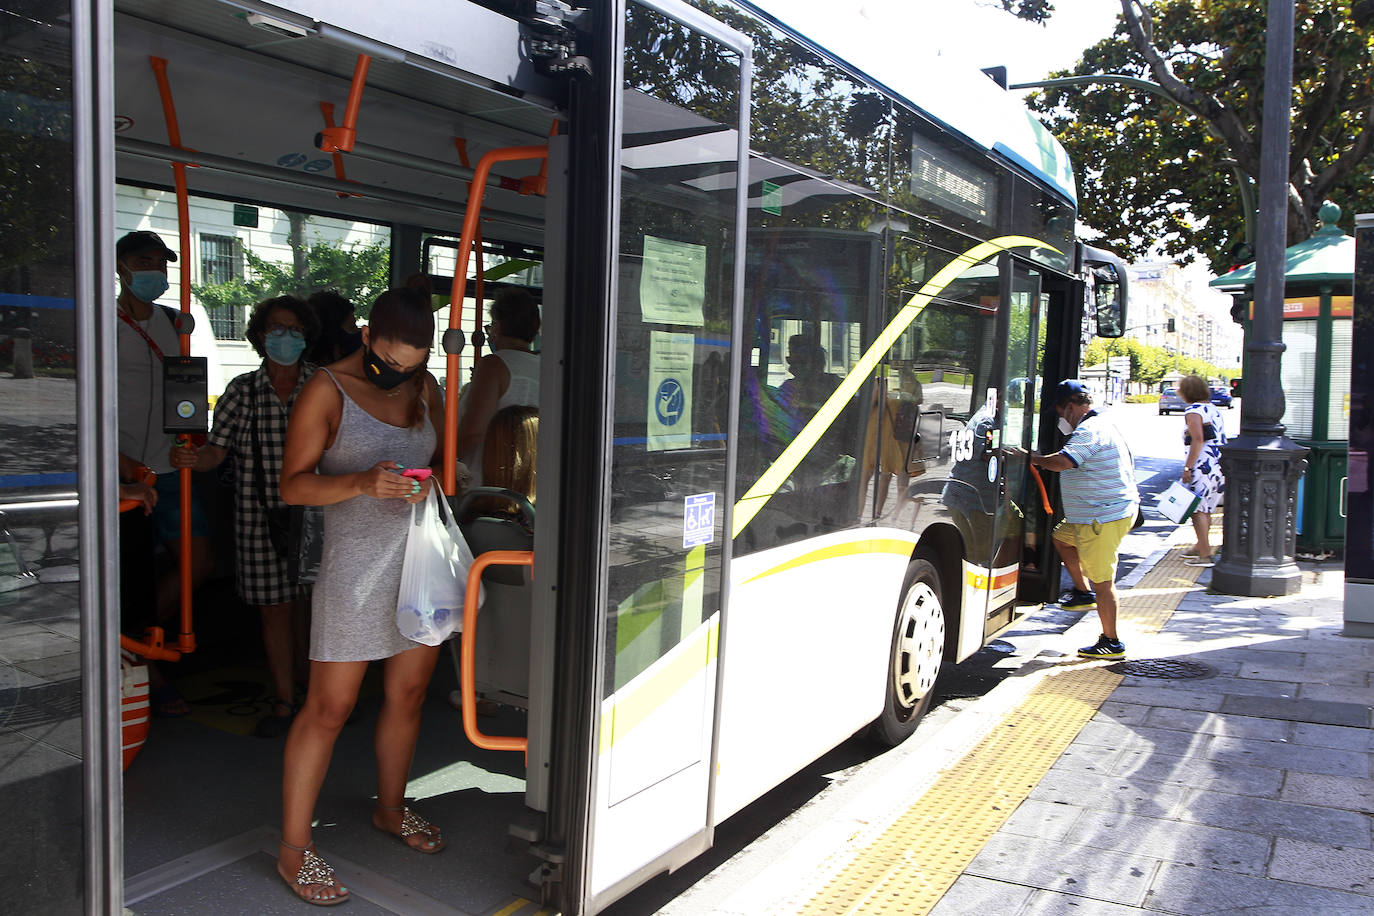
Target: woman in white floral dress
1204, 434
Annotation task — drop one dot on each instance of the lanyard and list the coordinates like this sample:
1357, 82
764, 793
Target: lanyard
152, 344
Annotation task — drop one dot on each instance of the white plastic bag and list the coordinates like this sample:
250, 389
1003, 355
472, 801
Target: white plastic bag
434, 576
1177, 503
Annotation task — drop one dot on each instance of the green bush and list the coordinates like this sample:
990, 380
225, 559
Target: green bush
1143, 398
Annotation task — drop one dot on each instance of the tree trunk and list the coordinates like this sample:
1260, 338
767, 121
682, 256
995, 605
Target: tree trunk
300, 265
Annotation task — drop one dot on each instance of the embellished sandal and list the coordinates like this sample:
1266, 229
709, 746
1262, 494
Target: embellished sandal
411, 825
315, 872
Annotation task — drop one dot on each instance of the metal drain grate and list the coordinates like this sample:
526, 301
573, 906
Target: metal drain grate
1176, 668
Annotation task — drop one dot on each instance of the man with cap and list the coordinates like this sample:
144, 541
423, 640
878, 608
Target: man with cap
1097, 484
145, 333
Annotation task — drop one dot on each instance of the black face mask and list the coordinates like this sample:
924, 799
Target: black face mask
382, 375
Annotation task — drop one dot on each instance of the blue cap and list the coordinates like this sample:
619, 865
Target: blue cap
1070, 388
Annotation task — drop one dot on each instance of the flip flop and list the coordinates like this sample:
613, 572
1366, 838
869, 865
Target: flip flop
411, 825
315, 872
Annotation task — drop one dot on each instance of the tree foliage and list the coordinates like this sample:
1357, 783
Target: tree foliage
1149, 364
359, 272
1159, 171
35, 167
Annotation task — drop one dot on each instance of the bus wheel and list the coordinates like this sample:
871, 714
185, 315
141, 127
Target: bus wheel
918, 650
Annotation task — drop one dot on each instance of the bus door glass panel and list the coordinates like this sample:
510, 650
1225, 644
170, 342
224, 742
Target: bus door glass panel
1019, 511
41, 753
676, 250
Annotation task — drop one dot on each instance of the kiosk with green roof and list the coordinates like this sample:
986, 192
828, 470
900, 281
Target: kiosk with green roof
1317, 307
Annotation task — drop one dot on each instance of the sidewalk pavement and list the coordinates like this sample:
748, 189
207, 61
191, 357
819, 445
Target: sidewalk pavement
1247, 789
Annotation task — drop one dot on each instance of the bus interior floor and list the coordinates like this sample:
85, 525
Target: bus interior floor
202, 808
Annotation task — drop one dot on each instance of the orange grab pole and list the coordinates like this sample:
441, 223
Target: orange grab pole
479, 281
1044, 496
186, 639
153, 648
468, 653
327, 109
340, 139
460, 276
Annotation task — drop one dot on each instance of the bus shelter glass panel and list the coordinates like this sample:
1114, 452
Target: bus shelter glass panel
675, 259
41, 783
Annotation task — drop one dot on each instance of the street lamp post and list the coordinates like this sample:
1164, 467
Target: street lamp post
1262, 466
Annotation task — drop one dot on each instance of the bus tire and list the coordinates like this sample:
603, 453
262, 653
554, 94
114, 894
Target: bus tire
918, 652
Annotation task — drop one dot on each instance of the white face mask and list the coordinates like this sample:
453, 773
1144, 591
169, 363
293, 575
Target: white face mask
1065, 426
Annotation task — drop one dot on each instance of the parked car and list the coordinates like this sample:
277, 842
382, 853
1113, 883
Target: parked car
1221, 397
1169, 402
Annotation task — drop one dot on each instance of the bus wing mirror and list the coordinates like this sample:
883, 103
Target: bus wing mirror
1108, 290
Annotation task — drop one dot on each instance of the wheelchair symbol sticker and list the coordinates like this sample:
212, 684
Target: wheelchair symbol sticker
669, 401
699, 520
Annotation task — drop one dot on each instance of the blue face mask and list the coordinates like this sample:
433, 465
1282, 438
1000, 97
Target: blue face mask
284, 347
147, 285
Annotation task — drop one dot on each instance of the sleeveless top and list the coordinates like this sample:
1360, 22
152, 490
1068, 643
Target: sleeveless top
524, 379
523, 391
1208, 481
354, 602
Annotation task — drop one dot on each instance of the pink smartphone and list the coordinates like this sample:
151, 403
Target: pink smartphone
418, 473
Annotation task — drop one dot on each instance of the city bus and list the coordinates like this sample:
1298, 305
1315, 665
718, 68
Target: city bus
799, 311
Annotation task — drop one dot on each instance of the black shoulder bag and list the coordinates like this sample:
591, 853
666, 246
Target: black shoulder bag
295, 531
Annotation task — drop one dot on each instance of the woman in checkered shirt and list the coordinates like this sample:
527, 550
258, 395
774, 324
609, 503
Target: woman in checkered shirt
250, 422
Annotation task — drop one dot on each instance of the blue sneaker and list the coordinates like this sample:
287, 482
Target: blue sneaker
1104, 648
1075, 600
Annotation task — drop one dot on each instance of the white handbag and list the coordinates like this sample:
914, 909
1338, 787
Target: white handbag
1178, 503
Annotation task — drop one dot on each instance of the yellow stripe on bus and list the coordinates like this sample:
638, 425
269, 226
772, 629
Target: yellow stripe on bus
872, 545
639, 703
767, 485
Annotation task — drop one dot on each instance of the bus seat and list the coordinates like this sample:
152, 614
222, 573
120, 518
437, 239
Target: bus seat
494, 519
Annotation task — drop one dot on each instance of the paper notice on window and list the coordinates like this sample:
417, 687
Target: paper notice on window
672, 283
670, 390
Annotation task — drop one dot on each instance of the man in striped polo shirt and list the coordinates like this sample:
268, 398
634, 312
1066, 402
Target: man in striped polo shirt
1100, 504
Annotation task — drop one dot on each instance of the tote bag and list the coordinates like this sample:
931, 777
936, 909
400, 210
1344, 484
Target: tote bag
1178, 502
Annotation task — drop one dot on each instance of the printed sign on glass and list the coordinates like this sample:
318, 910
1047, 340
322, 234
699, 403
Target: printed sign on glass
669, 411
672, 282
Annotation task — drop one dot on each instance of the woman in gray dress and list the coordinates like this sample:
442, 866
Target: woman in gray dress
357, 424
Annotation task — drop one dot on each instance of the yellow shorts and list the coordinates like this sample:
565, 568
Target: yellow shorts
1097, 543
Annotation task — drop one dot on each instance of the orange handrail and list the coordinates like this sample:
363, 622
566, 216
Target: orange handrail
152, 649
456, 294
1044, 496
340, 138
147, 478
479, 281
467, 659
186, 639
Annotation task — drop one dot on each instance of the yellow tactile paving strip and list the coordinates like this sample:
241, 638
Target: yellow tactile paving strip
911, 865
